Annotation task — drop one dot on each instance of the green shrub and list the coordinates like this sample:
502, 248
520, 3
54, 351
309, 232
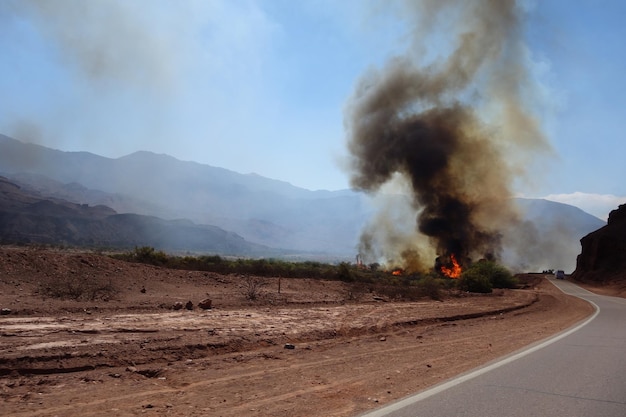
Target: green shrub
431, 287
148, 255
344, 272
483, 276
473, 281
502, 278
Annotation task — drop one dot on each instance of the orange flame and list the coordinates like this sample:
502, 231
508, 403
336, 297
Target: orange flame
455, 271
396, 272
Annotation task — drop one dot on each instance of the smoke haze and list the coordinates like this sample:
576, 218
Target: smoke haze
456, 127
107, 41
113, 77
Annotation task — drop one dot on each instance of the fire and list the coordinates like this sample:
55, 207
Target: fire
455, 271
396, 272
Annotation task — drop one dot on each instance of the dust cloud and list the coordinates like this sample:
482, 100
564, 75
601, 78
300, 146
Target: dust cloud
453, 119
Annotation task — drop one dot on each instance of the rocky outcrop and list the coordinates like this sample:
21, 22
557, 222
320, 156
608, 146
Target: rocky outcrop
603, 255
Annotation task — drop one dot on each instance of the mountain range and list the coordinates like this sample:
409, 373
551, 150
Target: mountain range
262, 214
28, 217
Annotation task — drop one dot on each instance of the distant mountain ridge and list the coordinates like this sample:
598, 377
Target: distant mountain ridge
260, 210
26, 217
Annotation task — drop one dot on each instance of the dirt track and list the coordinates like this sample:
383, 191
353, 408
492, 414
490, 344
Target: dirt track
130, 356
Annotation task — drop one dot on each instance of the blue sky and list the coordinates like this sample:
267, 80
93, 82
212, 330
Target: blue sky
261, 86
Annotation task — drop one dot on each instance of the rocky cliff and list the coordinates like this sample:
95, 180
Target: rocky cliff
603, 255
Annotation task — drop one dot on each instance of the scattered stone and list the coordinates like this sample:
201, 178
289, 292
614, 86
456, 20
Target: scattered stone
429, 365
177, 305
189, 305
131, 369
150, 373
289, 346
143, 290
5, 311
205, 304
115, 375
383, 338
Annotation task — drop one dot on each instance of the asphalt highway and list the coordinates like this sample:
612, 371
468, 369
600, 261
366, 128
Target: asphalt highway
579, 372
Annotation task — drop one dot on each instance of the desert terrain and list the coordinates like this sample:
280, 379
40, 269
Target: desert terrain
113, 345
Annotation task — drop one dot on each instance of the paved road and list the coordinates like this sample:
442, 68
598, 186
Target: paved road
583, 374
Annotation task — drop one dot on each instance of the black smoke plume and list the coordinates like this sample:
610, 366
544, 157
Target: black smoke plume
457, 130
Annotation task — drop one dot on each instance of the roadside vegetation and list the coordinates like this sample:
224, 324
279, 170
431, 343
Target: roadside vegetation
484, 276
480, 277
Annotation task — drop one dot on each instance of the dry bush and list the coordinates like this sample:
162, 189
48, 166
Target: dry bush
252, 287
77, 287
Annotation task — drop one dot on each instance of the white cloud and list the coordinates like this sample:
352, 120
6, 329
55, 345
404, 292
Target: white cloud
599, 205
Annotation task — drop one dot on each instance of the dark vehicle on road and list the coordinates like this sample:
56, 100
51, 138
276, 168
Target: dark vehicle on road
560, 274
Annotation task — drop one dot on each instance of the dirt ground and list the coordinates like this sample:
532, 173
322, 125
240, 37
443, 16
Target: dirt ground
317, 348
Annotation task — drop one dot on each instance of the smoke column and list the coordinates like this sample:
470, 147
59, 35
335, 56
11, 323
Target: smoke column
457, 129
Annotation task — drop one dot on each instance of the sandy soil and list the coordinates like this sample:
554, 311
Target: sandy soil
319, 348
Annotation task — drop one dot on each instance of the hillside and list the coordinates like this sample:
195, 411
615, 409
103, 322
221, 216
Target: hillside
26, 217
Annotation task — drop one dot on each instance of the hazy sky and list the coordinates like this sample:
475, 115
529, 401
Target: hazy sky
261, 86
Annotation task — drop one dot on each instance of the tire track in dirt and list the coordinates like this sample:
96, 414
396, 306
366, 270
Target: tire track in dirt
109, 330
263, 373
345, 384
